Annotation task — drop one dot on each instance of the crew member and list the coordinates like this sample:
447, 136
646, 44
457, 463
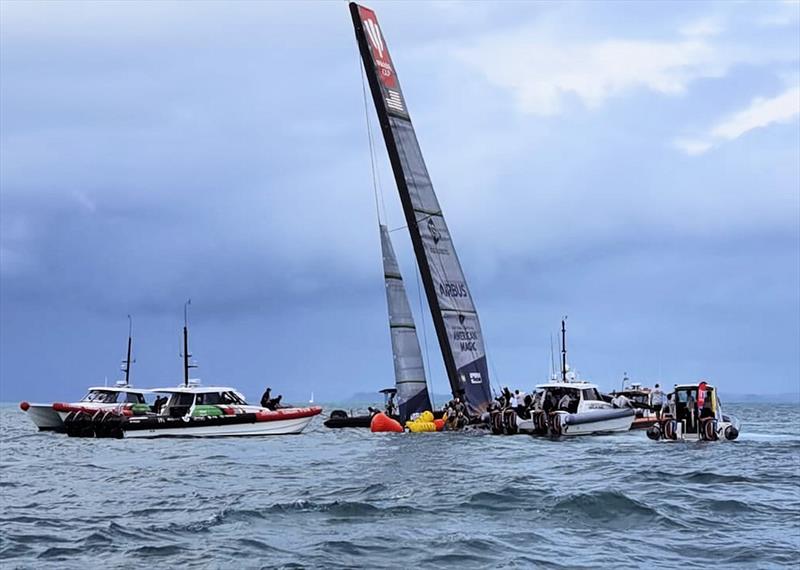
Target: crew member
657, 401
390, 406
266, 398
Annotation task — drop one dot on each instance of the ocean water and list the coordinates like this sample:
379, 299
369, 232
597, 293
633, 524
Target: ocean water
349, 498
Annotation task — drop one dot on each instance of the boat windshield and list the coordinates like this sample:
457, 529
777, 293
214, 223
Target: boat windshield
219, 399
181, 399
113, 397
591, 394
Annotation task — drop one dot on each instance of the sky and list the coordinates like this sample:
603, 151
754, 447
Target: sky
635, 166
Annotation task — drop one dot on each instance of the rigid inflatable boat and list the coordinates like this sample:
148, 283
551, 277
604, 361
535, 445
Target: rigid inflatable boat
695, 414
582, 412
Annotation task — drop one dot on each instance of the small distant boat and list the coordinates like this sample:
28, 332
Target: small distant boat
640, 399
121, 396
695, 414
342, 419
311, 399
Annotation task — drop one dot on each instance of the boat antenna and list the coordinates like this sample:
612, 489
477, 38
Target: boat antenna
552, 359
186, 355
127, 363
564, 349
624, 379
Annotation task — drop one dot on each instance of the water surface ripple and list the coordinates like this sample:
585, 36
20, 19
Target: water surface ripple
333, 498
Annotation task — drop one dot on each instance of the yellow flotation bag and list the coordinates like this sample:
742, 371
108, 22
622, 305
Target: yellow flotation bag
423, 423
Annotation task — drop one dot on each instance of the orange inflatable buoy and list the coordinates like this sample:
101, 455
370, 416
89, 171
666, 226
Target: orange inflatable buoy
381, 422
439, 423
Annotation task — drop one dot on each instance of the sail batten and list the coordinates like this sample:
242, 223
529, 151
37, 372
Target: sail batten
449, 299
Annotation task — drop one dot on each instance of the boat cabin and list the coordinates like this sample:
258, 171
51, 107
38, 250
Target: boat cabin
114, 395
687, 404
636, 394
183, 399
583, 396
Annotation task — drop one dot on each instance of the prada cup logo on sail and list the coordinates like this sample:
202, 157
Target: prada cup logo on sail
475, 377
374, 35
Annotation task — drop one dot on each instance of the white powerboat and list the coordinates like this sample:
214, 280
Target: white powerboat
121, 396
50, 417
566, 409
695, 414
563, 408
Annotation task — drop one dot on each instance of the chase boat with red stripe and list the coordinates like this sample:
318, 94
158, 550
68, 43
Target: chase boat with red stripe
192, 411
120, 398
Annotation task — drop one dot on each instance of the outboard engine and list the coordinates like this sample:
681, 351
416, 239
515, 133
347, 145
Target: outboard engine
654, 432
540, 422
709, 431
671, 429
510, 422
497, 422
555, 425
731, 433
338, 414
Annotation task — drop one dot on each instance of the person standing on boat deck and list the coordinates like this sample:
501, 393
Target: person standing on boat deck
266, 398
390, 407
657, 401
159, 403
565, 402
691, 408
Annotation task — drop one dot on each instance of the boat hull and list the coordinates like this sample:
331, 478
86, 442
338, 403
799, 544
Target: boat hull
276, 427
45, 418
348, 422
262, 422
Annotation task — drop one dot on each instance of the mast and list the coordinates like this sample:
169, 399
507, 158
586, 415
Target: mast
452, 310
564, 349
186, 356
127, 363
409, 371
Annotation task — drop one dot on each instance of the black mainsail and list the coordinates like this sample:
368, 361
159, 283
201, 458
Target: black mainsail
409, 372
454, 316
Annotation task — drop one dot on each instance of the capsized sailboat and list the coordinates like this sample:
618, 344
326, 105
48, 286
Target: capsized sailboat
409, 371
411, 389
453, 311
50, 417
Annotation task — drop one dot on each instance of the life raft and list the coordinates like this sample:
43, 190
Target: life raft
382, 423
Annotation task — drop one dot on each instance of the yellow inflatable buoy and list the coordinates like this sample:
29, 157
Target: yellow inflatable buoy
423, 423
